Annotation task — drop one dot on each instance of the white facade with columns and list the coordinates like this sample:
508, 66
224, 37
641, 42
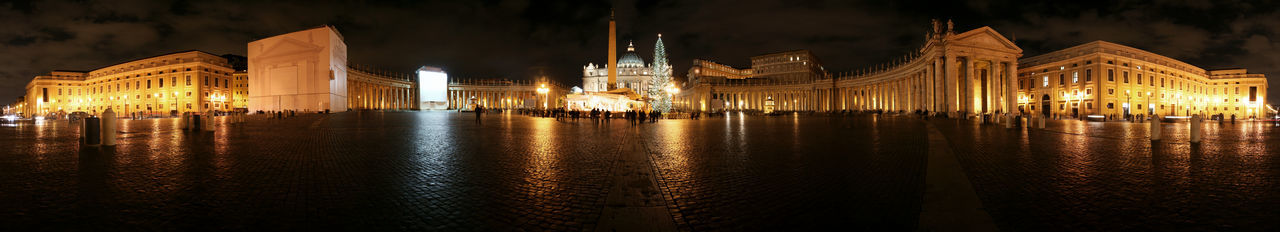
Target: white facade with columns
969, 73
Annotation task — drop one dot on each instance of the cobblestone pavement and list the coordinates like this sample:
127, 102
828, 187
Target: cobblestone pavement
443, 171
792, 173
1092, 176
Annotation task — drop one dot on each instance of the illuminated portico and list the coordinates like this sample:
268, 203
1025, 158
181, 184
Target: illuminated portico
959, 74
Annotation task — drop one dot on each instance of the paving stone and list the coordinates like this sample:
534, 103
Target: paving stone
1089, 176
443, 171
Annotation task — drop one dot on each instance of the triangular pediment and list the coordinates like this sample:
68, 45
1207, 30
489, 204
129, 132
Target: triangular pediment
290, 46
987, 37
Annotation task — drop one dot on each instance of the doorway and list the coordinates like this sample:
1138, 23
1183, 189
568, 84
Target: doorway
1045, 105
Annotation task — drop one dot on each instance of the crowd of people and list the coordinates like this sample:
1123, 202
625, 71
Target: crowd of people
632, 116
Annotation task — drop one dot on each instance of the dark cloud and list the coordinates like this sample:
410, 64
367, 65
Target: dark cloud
503, 38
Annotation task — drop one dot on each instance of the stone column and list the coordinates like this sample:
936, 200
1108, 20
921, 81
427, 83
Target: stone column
1011, 93
949, 85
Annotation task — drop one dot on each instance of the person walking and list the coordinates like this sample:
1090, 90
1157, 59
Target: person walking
479, 110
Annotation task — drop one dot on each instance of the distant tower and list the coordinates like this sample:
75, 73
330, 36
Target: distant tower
613, 54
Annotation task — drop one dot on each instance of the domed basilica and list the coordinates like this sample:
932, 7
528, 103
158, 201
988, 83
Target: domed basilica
633, 73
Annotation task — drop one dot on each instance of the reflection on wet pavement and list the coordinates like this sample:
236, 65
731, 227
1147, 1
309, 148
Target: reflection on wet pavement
444, 171
1078, 176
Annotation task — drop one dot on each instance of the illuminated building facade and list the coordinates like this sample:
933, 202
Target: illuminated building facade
505, 94
433, 88
303, 70
790, 66
189, 81
373, 90
958, 74
632, 73
240, 90
706, 71
1103, 78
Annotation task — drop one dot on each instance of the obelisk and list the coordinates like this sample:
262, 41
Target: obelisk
613, 54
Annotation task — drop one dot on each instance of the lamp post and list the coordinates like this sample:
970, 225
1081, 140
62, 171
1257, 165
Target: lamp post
1128, 103
157, 106
1148, 104
543, 90
672, 91
1079, 101
175, 100
1066, 99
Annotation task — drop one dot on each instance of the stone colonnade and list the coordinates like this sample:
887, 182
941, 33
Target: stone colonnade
520, 96
366, 91
957, 74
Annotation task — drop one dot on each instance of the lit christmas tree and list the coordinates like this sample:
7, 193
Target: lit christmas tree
658, 86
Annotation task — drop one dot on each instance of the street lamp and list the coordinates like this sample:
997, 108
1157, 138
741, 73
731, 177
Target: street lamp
1079, 101
175, 100
1128, 102
157, 97
543, 90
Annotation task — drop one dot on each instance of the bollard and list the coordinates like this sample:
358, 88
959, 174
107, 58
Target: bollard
182, 121
1041, 121
109, 127
1155, 128
195, 122
1196, 124
208, 122
1008, 121
91, 132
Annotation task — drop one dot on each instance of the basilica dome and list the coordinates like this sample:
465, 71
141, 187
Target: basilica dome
631, 59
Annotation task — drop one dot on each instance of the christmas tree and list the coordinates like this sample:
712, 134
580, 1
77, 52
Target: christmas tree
660, 100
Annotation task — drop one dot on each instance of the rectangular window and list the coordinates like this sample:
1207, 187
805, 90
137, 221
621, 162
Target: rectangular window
1237, 90
1062, 79
1046, 81
188, 79
45, 93
161, 82
148, 84
215, 82
1162, 82
1075, 77
1139, 79
173, 80
1152, 81
1253, 93
1088, 75
1111, 91
1126, 77
206, 81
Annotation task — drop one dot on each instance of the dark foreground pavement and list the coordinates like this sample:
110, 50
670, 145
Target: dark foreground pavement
1094, 176
444, 171
440, 170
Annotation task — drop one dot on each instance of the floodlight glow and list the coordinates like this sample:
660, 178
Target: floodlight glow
433, 88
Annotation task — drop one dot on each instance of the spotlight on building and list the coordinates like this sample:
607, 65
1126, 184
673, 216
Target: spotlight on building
433, 87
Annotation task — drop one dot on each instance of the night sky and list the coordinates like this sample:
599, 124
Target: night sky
503, 39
